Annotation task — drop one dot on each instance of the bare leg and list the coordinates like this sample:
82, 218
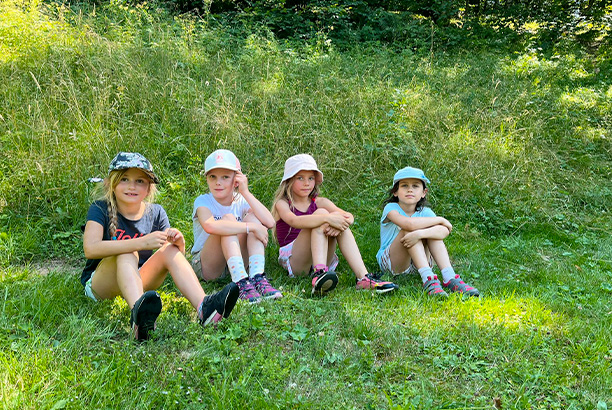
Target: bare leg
350, 251
118, 275
401, 257
310, 248
169, 259
439, 252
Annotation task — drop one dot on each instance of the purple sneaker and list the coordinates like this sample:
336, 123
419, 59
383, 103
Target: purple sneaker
264, 288
248, 291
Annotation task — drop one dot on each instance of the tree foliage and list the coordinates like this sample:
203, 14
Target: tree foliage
587, 22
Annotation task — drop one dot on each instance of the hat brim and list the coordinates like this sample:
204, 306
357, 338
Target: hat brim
318, 175
221, 167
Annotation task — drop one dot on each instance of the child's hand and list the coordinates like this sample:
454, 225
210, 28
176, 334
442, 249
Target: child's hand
332, 232
410, 239
260, 232
175, 237
154, 240
338, 221
241, 182
349, 217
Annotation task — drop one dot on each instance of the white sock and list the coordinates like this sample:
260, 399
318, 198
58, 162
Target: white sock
448, 274
256, 265
236, 268
426, 273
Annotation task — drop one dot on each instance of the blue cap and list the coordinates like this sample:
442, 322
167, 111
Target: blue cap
410, 172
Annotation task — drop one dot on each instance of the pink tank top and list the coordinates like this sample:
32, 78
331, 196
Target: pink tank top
285, 233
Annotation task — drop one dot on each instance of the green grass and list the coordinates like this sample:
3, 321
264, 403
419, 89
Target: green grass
517, 145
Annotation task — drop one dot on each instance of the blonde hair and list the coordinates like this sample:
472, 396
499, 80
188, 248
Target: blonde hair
284, 192
107, 193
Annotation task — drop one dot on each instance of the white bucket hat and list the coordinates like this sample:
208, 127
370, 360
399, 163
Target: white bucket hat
221, 158
301, 162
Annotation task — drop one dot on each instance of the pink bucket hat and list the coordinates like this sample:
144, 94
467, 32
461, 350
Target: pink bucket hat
301, 162
221, 158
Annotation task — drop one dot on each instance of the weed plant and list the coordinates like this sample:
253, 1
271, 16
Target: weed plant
517, 146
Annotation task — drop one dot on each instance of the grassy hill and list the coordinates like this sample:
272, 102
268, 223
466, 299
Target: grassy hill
516, 143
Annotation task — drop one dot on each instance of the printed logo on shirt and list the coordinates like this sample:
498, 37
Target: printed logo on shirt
122, 236
239, 219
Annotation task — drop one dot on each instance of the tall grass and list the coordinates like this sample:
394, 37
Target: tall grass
517, 147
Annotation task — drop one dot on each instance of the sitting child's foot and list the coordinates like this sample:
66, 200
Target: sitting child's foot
323, 282
433, 288
369, 282
264, 288
218, 305
144, 314
248, 291
458, 285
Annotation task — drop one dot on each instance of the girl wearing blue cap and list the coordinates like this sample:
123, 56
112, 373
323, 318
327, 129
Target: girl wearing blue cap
411, 235
229, 226
130, 247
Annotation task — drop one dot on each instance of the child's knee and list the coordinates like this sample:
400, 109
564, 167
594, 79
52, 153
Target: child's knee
228, 217
321, 211
251, 218
131, 257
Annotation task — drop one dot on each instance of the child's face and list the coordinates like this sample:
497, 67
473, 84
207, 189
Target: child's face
221, 183
133, 187
410, 191
303, 183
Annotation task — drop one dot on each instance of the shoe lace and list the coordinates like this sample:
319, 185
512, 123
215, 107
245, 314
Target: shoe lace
377, 276
245, 287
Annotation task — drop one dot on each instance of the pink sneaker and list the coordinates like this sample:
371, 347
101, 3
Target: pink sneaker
323, 282
370, 283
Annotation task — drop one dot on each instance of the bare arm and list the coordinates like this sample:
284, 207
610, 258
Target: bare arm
261, 212
96, 248
434, 232
331, 207
226, 228
412, 224
310, 221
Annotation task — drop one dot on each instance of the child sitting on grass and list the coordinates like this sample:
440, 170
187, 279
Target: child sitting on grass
229, 226
121, 233
411, 234
308, 227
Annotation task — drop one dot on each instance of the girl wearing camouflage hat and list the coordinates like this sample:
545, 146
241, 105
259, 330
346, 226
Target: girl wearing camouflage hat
130, 247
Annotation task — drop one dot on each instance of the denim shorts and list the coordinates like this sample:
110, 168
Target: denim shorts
89, 291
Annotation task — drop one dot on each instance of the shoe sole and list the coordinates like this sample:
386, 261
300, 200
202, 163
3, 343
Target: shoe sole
231, 298
277, 295
380, 290
325, 284
148, 311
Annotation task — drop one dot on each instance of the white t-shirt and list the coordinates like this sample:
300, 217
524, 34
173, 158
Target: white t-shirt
238, 208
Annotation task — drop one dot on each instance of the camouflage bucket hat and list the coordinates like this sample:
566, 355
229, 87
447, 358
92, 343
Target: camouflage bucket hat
126, 160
